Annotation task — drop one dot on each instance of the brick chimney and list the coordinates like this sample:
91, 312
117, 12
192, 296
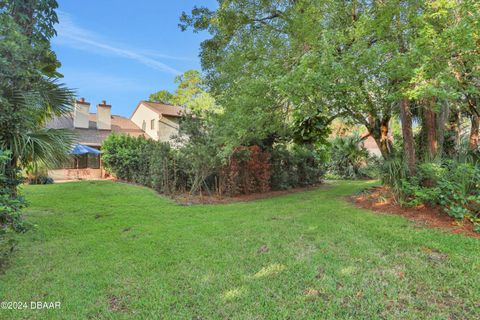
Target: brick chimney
80, 114
104, 116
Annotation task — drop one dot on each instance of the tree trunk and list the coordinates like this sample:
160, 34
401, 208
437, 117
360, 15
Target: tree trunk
441, 121
379, 132
407, 133
475, 123
430, 130
453, 129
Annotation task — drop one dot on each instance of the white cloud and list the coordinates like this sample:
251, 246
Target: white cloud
71, 35
91, 81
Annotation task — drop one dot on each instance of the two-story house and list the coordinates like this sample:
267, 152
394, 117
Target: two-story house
151, 120
159, 121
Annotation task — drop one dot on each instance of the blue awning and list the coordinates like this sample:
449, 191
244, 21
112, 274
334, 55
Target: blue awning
79, 149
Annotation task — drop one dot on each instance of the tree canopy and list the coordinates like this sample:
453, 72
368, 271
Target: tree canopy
191, 93
287, 68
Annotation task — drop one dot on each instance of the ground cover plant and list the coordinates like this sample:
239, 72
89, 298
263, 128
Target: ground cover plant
304, 255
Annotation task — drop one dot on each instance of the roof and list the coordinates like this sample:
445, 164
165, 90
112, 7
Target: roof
92, 136
161, 108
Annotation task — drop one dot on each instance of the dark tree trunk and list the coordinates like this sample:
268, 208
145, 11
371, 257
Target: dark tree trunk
453, 129
430, 132
474, 119
473, 139
379, 131
407, 133
441, 121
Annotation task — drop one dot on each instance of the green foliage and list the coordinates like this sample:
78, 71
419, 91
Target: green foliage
11, 204
199, 164
452, 185
30, 95
162, 96
191, 93
29, 91
128, 158
41, 180
157, 165
296, 166
349, 159
393, 173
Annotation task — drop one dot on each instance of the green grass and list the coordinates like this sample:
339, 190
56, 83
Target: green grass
114, 251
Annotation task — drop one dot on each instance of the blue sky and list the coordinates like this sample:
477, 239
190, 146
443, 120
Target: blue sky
121, 51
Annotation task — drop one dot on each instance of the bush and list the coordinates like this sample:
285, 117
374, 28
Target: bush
40, 180
11, 204
298, 166
452, 185
197, 166
349, 159
37, 173
247, 171
127, 157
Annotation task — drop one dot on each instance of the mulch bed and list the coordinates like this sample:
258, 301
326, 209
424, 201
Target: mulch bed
380, 200
187, 199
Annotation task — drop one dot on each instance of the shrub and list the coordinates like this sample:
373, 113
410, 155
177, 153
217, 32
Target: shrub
452, 185
37, 173
11, 204
40, 180
197, 166
393, 172
128, 158
297, 166
348, 158
247, 171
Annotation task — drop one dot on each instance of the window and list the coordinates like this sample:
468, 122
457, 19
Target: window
83, 161
144, 125
93, 161
152, 124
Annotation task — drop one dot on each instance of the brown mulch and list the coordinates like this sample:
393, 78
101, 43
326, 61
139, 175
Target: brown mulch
187, 199
380, 200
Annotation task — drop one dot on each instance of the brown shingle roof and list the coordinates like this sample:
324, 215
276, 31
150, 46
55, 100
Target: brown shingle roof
92, 136
163, 109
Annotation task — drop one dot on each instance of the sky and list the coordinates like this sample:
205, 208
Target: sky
122, 51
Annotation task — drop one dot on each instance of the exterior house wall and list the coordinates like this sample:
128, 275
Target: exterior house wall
142, 118
76, 174
167, 127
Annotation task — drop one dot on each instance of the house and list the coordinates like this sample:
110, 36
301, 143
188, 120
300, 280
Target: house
372, 147
159, 121
150, 120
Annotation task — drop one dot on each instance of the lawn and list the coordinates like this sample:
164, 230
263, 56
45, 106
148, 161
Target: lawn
109, 250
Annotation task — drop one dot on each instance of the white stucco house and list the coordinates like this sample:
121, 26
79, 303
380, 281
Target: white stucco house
159, 121
151, 120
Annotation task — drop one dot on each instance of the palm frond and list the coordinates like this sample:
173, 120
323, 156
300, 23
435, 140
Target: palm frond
48, 146
50, 98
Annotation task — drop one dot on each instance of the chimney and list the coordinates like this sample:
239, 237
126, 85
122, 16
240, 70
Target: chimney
80, 114
104, 116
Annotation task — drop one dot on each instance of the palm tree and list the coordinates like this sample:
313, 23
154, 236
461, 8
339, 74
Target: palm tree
30, 142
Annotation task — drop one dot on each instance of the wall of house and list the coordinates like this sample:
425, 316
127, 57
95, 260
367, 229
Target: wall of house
168, 127
76, 174
145, 115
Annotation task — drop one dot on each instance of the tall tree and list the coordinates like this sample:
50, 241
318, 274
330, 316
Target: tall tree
162, 96
29, 91
191, 93
318, 59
